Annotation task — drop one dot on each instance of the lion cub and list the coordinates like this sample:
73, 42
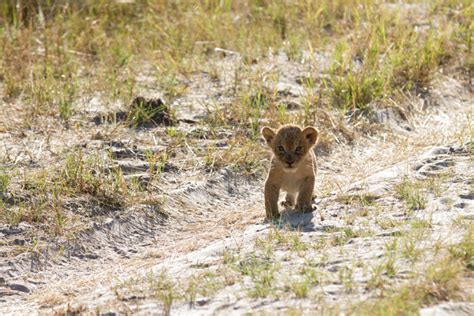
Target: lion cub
292, 168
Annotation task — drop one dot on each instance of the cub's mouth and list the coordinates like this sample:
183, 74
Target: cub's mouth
290, 168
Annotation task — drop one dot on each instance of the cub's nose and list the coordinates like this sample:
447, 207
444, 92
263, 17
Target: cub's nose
289, 159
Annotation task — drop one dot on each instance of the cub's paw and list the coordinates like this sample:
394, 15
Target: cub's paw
286, 203
272, 216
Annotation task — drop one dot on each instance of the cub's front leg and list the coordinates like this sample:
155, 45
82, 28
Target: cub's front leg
271, 194
289, 200
305, 195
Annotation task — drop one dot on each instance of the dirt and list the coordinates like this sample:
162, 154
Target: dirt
100, 291
197, 214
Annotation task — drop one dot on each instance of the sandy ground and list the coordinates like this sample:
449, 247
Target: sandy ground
201, 215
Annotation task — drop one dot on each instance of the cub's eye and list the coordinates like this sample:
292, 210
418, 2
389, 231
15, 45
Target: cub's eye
299, 150
281, 149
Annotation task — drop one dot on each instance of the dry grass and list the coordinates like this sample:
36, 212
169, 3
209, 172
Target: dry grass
412, 193
52, 195
358, 56
51, 54
441, 281
260, 272
54, 54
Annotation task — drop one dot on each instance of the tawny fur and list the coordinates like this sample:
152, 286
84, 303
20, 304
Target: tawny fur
293, 168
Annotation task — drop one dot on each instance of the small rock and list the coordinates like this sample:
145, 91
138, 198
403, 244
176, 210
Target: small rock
202, 301
148, 112
467, 196
392, 233
19, 242
221, 144
91, 256
293, 105
19, 288
11, 231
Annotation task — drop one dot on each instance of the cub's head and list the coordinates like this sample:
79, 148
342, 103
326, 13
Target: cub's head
290, 144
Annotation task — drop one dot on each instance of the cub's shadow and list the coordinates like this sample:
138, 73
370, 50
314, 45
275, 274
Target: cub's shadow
303, 222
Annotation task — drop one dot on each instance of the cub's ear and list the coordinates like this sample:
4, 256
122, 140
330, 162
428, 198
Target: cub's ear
268, 134
310, 134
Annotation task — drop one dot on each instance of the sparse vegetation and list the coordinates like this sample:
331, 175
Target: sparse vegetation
150, 111
375, 54
363, 199
300, 288
90, 179
241, 154
410, 250
4, 181
165, 290
412, 193
439, 283
464, 250
346, 278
